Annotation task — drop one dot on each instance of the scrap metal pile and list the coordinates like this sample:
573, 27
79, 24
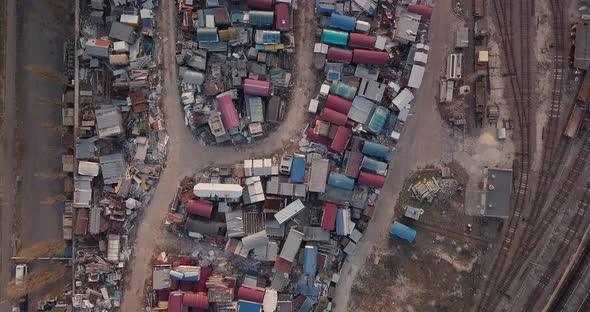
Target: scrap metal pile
234, 67
120, 144
294, 218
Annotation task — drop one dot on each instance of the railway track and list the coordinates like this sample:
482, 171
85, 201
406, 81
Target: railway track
520, 94
450, 233
585, 306
580, 264
562, 250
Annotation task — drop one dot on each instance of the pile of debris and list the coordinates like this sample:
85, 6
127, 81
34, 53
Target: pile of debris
443, 189
234, 64
120, 145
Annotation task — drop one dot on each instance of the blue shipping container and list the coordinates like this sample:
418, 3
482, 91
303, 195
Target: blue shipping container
403, 232
376, 150
341, 181
261, 18
247, 306
310, 260
374, 166
378, 120
298, 169
344, 22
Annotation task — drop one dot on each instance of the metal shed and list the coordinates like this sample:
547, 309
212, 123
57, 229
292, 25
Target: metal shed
361, 110
291, 246
112, 167
318, 175
329, 216
260, 4
341, 181
378, 120
364, 41
256, 87
340, 139
343, 22
334, 117
416, 76
339, 55
338, 104
261, 18
376, 150
360, 56
282, 17
342, 89
335, 37
289, 212
229, 114
123, 32
371, 180
403, 232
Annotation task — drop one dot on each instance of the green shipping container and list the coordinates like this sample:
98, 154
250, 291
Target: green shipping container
335, 37
343, 90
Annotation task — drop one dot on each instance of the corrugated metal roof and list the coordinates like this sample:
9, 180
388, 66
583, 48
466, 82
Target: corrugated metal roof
361, 56
342, 89
339, 55
291, 246
318, 175
229, 114
298, 169
403, 232
282, 16
310, 260
364, 41
256, 87
335, 37
193, 77
261, 18
376, 150
207, 34
255, 109
329, 216
340, 139
371, 90
416, 76
289, 212
108, 121
260, 4
112, 167
98, 48
338, 104
201, 208
343, 22
255, 240
123, 32
372, 180
374, 166
334, 117
378, 120
361, 110
403, 99
341, 181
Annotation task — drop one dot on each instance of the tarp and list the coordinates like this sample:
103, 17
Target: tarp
403, 232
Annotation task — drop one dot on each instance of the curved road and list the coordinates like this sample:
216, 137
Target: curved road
186, 156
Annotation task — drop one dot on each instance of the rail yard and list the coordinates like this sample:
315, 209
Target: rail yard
296, 155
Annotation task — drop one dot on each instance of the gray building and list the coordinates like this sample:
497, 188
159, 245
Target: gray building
498, 193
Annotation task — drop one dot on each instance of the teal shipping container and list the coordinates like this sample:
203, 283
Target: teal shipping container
335, 37
343, 90
378, 120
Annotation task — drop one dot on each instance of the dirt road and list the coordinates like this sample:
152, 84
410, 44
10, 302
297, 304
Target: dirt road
425, 140
32, 27
186, 156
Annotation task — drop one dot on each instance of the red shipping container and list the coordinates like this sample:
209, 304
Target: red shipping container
283, 265
249, 293
423, 10
260, 4
338, 104
175, 301
282, 16
334, 117
340, 140
357, 40
360, 56
371, 180
329, 217
256, 87
201, 208
196, 300
339, 55
201, 285
229, 114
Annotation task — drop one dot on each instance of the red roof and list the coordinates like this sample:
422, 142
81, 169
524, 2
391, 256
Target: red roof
329, 217
186, 285
361, 56
334, 117
357, 40
256, 87
229, 114
175, 301
316, 138
201, 286
282, 16
338, 104
353, 166
282, 265
201, 208
340, 140
423, 10
339, 55
249, 293
260, 4
372, 180
195, 300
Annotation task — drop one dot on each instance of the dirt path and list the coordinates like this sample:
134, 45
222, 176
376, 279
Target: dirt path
425, 140
186, 156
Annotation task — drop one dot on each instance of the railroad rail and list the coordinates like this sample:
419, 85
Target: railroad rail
585, 306
451, 233
520, 94
565, 291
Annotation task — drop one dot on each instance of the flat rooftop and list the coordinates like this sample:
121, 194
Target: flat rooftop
498, 193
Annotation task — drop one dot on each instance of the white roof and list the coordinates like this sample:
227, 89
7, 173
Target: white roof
325, 89
319, 175
291, 246
313, 106
289, 212
416, 76
88, 168
420, 57
403, 99
403, 114
270, 301
211, 190
380, 43
394, 135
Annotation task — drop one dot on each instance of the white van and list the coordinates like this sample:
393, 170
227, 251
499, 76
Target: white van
21, 273
285, 167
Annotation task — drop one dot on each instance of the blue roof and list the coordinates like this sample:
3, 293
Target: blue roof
378, 120
310, 260
237, 16
271, 37
207, 34
298, 169
340, 222
403, 232
341, 181
247, 306
374, 166
325, 6
307, 305
344, 22
376, 150
261, 18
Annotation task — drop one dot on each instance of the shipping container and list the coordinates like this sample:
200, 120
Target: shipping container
318, 175
341, 181
371, 180
261, 18
334, 117
201, 208
229, 114
250, 293
343, 222
360, 56
376, 150
338, 104
403, 232
344, 90
247, 306
195, 300
291, 245
310, 260
423, 10
329, 216
340, 140
374, 166
343, 22
353, 164
282, 17
260, 4
298, 169
584, 92
378, 120
357, 40
339, 55
256, 87
335, 37
175, 301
